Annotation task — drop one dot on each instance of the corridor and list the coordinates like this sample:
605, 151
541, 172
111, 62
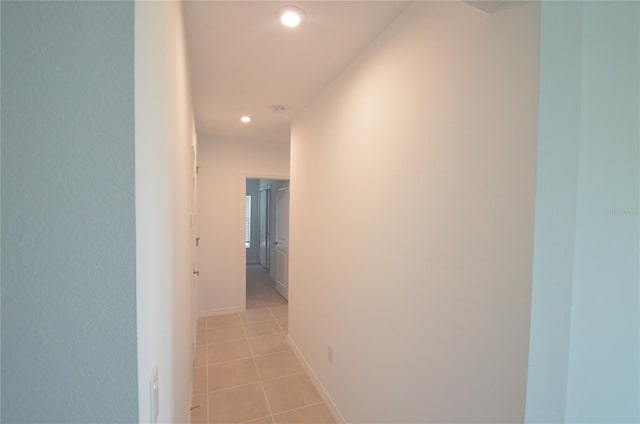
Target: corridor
261, 290
244, 370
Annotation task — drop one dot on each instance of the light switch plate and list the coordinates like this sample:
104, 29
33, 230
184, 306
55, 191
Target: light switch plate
154, 395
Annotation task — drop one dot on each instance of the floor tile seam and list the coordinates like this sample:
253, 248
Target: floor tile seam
277, 321
268, 334
257, 321
227, 341
298, 408
225, 326
226, 361
237, 386
273, 331
210, 363
274, 353
274, 315
264, 335
259, 418
264, 391
286, 349
268, 380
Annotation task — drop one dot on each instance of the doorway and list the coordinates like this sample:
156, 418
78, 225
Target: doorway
266, 242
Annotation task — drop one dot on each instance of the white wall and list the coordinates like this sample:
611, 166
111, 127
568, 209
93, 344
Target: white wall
225, 164
164, 165
412, 193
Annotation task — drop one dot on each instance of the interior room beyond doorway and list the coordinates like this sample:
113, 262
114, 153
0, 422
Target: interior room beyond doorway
266, 242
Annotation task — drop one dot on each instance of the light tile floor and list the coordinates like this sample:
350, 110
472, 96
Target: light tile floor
244, 370
261, 290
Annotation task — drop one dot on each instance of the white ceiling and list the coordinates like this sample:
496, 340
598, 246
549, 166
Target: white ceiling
243, 61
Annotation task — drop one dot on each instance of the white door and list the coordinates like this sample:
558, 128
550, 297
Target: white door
281, 242
263, 201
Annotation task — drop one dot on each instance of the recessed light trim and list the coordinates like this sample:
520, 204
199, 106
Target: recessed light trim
291, 16
245, 119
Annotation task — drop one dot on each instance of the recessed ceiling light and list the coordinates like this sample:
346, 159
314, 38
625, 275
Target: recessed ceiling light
245, 118
291, 16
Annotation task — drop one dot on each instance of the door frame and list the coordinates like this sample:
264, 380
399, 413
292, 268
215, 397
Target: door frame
242, 266
268, 213
195, 240
281, 274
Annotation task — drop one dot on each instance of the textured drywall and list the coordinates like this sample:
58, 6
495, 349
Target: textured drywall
602, 380
585, 312
412, 204
68, 236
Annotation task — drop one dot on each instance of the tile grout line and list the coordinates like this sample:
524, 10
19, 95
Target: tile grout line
220, 327
273, 420
253, 382
300, 373
276, 319
207, 346
228, 341
254, 419
228, 361
245, 358
232, 387
255, 364
300, 407
284, 376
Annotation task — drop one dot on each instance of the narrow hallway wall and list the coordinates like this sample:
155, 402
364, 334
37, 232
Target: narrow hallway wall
164, 169
412, 208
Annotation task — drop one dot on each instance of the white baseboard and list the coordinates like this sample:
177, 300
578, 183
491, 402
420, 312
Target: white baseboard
331, 405
220, 311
